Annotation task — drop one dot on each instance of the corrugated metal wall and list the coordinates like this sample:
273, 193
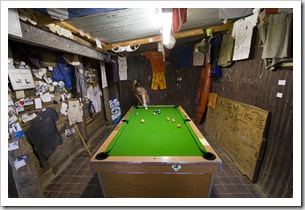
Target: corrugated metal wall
245, 81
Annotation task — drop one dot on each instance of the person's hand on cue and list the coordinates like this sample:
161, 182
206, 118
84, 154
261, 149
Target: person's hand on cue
145, 106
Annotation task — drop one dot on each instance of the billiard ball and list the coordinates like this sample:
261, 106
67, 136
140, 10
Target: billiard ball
173, 120
179, 126
167, 118
142, 121
154, 113
137, 113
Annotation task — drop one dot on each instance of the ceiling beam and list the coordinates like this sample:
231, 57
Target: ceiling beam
45, 21
39, 37
177, 35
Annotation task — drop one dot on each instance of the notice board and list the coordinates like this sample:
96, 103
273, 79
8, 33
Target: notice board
240, 130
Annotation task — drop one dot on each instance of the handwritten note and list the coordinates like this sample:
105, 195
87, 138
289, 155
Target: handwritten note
242, 33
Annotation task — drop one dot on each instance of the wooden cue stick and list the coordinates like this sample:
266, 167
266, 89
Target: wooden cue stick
139, 99
82, 140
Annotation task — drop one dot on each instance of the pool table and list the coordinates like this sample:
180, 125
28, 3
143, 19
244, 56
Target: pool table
149, 155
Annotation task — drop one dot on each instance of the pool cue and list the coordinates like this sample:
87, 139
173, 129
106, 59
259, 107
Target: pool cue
140, 100
82, 140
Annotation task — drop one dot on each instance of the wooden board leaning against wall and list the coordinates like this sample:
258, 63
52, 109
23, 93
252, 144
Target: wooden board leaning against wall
240, 129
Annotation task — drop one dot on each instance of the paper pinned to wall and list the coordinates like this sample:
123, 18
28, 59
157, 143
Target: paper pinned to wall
38, 103
47, 97
279, 95
12, 119
20, 94
19, 163
242, 33
282, 82
64, 108
98, 43
13, 146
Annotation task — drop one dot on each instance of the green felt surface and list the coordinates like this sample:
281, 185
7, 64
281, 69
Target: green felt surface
156, 136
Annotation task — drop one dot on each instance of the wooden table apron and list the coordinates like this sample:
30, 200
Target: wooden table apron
156, 176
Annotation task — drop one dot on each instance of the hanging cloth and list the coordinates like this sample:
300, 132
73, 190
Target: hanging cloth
128, 48
226, 49
43, 135
75, 112
158, 70
122, 61
62, 72
95, 93
278, 44
81, 84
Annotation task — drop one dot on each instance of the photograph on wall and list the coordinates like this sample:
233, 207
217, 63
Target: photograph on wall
21, 79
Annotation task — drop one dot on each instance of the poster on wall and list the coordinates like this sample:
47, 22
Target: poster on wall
21, 79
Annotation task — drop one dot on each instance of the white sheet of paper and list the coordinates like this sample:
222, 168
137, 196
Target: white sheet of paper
279, 95
98, 43
16, 127
282, 82
63, 109
12, 119
242, 33
13, 146
38, 103
19, 164
26, 117
47, 97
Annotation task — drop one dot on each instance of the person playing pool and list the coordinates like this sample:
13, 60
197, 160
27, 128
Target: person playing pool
140, 92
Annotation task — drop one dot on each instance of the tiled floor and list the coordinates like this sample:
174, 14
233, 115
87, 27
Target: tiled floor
77, 181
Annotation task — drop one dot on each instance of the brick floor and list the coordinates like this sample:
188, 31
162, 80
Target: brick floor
77, 181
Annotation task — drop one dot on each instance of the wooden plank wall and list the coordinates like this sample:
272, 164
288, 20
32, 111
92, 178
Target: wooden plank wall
249, 82
31, 179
